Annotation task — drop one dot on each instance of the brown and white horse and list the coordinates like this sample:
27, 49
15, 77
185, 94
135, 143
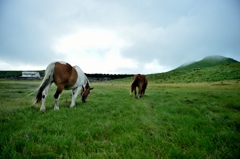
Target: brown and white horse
65, 77
141, 82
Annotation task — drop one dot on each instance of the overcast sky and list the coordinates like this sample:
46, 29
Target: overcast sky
117, 36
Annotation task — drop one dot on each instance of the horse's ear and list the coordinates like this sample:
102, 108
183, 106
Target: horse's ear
91, 88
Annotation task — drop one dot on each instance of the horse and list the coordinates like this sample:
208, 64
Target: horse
66, 77
141, 82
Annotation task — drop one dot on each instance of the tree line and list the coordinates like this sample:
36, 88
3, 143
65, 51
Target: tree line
112, 76
16, 74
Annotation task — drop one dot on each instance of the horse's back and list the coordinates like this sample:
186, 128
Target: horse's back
141, 78
64, 74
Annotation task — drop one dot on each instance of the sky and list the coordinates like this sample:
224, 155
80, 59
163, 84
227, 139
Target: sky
117, 36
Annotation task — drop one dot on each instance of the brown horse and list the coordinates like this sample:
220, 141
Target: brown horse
141, 82
65, 77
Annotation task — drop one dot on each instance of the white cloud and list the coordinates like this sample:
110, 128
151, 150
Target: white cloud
95, 50
115, 61
86, 39
19, 66
154, 67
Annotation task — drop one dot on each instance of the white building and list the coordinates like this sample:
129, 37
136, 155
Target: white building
31, 74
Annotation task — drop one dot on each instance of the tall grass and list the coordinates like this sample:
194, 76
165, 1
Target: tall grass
198, 120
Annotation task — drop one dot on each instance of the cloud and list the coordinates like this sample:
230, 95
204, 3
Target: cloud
26, 36
117, 36
209, 30
86, 40
94, 49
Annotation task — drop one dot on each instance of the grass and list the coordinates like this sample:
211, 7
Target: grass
180, 120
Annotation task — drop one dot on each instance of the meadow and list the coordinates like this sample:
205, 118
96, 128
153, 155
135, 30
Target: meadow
173, 120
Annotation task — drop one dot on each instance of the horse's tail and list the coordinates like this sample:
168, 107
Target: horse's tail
48, 79
131, 88
133, 85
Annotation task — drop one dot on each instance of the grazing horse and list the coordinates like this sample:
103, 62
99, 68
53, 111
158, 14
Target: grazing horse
141, 82
65, 77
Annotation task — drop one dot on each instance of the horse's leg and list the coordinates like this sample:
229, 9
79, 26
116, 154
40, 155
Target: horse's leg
139, 91
143, 89
57, 96
44, 96
135, 91
75, 93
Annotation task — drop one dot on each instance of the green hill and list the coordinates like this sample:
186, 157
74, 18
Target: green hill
222, 72
209, 69
208, 62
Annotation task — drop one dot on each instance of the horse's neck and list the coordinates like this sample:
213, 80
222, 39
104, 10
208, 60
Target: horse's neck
85, 80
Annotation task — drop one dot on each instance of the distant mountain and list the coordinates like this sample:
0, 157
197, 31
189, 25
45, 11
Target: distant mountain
208, 61
204, 74
209, 69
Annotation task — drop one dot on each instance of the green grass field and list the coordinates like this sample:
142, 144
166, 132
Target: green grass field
178, 120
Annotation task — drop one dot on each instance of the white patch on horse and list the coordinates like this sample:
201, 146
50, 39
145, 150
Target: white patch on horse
56, 105
80, 79
75, 93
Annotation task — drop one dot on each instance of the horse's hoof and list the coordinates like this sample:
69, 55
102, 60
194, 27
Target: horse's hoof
42, 110
72, 105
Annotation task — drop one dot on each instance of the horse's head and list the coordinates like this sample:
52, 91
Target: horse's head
85, 92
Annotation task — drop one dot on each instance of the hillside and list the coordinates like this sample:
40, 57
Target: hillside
207, 62
204, 74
